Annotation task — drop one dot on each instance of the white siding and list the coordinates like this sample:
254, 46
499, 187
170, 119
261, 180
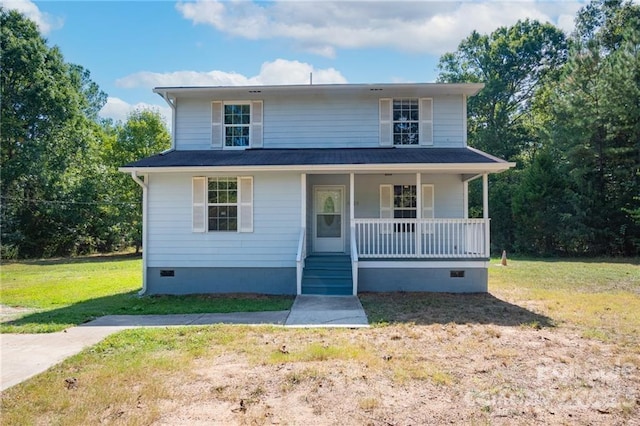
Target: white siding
193, 124
319, 121
448, 121
448, 189
273, 242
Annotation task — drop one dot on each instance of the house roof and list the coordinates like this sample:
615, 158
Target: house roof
421, 89
323, 158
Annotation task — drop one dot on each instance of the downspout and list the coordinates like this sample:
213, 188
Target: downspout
172, 104
145, 187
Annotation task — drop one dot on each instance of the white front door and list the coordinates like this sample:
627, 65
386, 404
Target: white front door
328, 212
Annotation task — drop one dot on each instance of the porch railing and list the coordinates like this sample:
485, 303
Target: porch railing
422, 238
301, 255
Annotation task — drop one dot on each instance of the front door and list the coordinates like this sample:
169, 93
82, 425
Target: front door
328, 212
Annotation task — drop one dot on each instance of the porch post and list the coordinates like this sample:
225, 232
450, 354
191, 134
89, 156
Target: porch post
352, 234
418, 214
485, 213
303, 201
352, 198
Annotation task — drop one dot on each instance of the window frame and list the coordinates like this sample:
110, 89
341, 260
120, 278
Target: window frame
388, 206
226, 126
411, 122
236, 204
244, 204
425, 135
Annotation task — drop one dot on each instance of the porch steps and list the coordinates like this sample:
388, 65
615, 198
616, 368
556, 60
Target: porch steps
327, 275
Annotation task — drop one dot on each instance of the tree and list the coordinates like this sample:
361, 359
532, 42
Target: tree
49, 142
596, 109
142, 135
504, 119
514, 63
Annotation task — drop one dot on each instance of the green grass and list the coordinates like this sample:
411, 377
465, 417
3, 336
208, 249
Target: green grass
601, 297
67, 292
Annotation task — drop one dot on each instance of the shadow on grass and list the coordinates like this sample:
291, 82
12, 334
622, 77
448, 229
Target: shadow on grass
445, 308
130, 304
98, 258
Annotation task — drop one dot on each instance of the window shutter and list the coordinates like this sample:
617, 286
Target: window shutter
245, 206
427, 208
217, 139
199, 204
427, 201
386, 207
426, 121
256, 124
386, 122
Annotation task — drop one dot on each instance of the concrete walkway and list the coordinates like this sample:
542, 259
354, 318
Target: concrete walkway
25, 355
327, 311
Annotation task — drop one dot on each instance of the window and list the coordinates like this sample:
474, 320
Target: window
401, 202
237, 118
404, 201
223, 204
404, 206
236, 125
406, 122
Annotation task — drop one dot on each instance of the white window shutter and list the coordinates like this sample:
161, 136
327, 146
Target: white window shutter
427, 207
256, 124
427, 201
386, 122
199, 204
245, 205
426, 121
217, 128
386, 207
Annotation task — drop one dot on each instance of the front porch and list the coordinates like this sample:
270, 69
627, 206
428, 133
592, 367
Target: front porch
424, 246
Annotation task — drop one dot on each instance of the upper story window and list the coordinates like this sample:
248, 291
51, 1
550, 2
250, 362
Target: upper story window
406, 121
237, 120
236, 124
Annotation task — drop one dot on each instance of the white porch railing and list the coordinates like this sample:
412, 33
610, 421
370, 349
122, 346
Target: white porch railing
422, 238
301, 255
354, 261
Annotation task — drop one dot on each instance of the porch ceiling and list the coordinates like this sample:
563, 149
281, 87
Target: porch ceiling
454, 160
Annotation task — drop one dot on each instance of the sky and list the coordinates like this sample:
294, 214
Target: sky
130, 47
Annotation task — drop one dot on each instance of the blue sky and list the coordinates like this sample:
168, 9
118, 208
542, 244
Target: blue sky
131, 47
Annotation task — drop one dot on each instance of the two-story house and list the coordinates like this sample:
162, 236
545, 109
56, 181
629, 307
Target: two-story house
315, 189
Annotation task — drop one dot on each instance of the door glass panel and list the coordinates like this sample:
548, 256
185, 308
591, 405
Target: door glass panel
328, 226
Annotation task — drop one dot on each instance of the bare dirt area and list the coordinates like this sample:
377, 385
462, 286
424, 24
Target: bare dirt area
409, 374
9, 313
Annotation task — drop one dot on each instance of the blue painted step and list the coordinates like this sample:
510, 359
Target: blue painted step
328, 275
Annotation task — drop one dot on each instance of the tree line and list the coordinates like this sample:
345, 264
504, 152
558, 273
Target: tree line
565, 108
61, 192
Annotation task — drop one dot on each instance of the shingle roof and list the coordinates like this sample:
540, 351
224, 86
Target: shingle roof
315, 157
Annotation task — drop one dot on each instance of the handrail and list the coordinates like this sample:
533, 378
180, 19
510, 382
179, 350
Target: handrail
354, 260
300, 257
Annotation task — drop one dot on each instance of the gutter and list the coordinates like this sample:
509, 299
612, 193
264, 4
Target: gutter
145, 202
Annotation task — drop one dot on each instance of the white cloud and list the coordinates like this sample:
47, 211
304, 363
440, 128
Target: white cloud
119, 110
280, 71
45, 21
321, 27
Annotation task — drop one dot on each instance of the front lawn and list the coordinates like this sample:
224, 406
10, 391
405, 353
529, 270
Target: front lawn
67, 292
554, 342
